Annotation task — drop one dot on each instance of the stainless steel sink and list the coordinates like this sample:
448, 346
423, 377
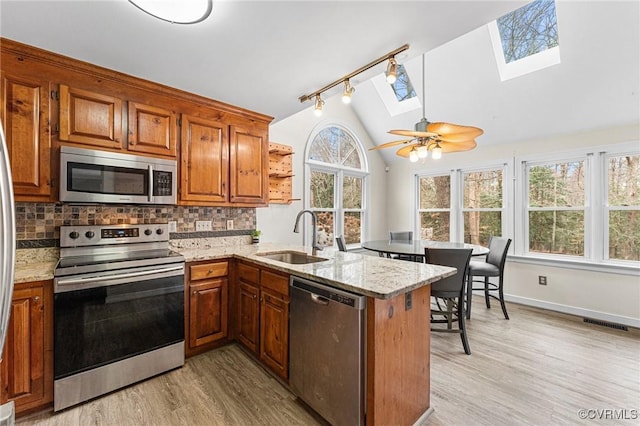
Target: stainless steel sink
292, 257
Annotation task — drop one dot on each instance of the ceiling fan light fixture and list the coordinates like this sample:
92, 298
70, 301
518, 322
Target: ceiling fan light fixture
348, 91
317, 110
392, 71
413, 155
436, 153
423, 152
176, 11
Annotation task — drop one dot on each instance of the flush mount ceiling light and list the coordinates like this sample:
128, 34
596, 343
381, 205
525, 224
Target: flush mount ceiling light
176, 11
435, 137
348, 90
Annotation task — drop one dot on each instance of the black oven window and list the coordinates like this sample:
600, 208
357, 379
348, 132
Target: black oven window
98, 326
99, 179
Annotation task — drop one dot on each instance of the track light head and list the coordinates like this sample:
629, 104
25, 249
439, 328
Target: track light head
348, 91
392, 69
318, 108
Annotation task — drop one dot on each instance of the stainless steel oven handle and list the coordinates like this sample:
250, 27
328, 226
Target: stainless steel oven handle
150, 190
103, 278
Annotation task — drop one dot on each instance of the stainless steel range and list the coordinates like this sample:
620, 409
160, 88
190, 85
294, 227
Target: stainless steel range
118, 310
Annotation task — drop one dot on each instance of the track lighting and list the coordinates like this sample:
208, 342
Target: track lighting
413, 155
423, 151
348, 91
318, 108
392, 71
436, 153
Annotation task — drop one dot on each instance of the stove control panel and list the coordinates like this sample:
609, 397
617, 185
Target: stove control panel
96, 235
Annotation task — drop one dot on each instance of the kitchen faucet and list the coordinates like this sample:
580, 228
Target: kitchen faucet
314, 223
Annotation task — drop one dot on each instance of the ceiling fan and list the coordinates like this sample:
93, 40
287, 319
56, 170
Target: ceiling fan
436, 137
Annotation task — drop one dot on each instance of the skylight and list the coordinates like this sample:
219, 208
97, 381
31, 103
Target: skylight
526, 39
403, 87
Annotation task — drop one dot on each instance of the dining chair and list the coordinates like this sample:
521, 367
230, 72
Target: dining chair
493, 266
405, 236
342, 246
448, 293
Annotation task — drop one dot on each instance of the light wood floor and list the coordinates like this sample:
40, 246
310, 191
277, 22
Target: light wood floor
537, 368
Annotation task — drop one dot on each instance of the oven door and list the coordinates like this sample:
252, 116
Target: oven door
116, 317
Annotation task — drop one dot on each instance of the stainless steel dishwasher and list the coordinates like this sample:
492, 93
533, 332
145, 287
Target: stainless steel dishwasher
326, 355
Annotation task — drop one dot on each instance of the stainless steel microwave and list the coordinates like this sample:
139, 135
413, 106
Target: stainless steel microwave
91, 176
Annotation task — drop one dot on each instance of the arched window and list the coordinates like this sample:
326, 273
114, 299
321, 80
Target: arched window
336, 184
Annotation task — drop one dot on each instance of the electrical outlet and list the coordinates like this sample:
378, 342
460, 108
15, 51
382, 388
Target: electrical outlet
542, 280
173, 226
230, 224
203, 225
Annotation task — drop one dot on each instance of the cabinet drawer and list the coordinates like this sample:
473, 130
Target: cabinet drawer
208, 270
248, 273
275, 282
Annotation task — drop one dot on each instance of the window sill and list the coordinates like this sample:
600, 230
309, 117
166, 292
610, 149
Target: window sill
609, 268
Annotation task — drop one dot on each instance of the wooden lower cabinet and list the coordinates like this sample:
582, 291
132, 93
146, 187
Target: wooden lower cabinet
206, 322
27, 361
263, 315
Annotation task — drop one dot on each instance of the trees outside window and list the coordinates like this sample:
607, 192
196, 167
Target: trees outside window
434, 208
556, 208
337, 185
623, 207
482, 205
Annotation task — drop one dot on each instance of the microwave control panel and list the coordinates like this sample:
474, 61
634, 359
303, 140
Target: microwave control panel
162, 183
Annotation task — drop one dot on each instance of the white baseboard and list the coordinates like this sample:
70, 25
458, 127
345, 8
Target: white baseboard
572, 310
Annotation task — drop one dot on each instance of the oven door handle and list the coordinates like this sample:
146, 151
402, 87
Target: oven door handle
103, 278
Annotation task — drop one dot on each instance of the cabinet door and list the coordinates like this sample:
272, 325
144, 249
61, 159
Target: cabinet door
25, 119
205, 160
248, 306
274, 332
249, 165
90, 118
207, 312
152, 130
23, 363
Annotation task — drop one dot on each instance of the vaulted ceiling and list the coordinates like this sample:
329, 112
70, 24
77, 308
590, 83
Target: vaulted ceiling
263, 55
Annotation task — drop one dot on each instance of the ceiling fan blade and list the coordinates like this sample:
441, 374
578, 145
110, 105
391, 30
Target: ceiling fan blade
456, 137
467, 145
413, 133
445, 129
390, 144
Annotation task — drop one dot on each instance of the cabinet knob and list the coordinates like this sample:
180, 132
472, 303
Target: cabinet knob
36, 298
194, 292
254, 297
210, 271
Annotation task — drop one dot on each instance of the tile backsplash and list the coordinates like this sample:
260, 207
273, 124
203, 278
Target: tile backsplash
42, 221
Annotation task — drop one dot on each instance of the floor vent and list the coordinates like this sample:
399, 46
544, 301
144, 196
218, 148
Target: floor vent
606, 324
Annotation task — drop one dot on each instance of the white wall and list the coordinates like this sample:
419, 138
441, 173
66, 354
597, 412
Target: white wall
606, 296
277, 220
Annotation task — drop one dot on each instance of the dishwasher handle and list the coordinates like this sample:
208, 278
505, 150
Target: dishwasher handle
324, 294
319, 299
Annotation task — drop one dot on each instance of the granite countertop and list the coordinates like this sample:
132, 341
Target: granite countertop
376, 277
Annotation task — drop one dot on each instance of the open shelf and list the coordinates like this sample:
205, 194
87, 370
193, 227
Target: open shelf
280, 173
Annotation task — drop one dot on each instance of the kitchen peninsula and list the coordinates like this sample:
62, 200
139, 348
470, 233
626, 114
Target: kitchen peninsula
397, 336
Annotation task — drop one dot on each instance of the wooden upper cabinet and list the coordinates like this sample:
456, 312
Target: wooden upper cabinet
151, 130
249, 165
204, 160
25, 119
90, 118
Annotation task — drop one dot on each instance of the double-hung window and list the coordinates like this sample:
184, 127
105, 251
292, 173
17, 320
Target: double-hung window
336, 188
434, 207
483, 204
